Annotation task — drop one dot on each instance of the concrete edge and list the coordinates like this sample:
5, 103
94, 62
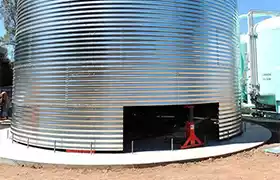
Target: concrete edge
259, 120
148, 165
37, 165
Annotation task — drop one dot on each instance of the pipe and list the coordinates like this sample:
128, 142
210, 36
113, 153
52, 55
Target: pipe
252, 79
253, 84
252, 51
259, 13
245, 16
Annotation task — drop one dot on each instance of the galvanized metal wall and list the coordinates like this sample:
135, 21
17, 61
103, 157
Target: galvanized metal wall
79, 62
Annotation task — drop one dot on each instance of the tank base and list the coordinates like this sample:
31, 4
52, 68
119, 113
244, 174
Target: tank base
14, 153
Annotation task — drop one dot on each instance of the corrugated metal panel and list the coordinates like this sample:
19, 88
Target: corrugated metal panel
79, 62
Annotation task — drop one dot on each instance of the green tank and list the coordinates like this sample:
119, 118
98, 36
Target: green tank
243, 67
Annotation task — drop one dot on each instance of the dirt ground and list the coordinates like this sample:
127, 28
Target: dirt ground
251, 165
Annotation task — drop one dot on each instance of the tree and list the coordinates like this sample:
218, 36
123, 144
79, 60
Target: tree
8, 11
6, 69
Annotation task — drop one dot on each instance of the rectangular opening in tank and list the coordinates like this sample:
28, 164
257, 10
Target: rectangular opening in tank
149, 128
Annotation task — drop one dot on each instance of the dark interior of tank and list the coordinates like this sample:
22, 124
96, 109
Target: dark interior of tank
163, 127
6, 74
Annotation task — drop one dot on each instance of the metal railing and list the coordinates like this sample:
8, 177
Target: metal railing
92, 145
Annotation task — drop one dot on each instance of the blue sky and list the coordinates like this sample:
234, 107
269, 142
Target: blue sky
244, 7
269, 5
247, 5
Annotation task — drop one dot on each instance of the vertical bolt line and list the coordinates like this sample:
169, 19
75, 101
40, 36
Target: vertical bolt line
66, 84
90, 147
218, 64
122, 67
31, 67
94, 145
66, 106
217, 43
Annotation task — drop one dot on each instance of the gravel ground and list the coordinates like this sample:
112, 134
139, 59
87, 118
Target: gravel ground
251, 165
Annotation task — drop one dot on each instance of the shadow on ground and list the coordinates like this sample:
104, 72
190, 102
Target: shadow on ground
274, 127
252, 133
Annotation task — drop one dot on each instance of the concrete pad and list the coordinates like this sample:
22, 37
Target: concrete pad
5, 122
273, 150
259, 119
14, 153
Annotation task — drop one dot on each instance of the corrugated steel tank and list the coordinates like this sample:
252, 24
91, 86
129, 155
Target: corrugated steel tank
78, 63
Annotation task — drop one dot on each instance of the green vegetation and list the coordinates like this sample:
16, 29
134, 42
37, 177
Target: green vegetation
8, 12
